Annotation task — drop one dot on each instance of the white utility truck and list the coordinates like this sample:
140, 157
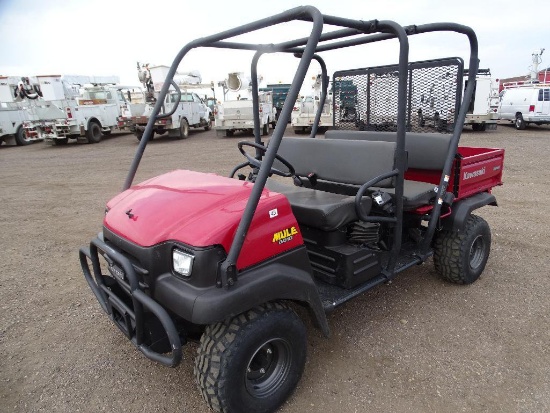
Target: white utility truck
17, 94
525, 103
63, 115
529, 101
191, 110
130, 101
480, 114
236, 113
303, 114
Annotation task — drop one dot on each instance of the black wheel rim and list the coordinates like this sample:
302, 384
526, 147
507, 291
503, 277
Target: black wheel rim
477, 252
268, 368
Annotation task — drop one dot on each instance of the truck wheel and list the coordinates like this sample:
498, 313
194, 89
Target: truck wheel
208, 125
21, 138
520, 123
460, 257
94, 132
229, 132
139, 135
184, 129
253, 361
265, 129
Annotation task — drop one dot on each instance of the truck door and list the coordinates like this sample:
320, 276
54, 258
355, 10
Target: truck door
199, 107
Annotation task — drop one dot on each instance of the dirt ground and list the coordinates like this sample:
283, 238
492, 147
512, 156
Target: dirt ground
417, 344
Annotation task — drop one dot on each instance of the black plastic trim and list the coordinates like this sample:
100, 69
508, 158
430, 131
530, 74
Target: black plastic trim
462, 209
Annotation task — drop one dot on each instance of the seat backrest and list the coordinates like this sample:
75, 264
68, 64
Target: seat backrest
425, 150
345, 161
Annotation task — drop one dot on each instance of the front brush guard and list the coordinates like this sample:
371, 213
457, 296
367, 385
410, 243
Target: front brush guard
130, 321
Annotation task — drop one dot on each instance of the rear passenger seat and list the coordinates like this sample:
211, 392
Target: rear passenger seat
425, 151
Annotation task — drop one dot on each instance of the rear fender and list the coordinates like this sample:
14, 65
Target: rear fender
462, 209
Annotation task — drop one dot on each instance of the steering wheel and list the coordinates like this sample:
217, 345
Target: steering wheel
255, 162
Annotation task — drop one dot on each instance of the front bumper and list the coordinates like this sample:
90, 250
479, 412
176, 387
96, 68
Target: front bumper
122, 297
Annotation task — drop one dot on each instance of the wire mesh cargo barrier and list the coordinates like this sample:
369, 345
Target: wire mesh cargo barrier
366, 99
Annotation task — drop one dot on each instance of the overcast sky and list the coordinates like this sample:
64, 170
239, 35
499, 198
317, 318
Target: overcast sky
108, 37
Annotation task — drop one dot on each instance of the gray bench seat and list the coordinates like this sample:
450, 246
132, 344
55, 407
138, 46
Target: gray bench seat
318, 209
415, 193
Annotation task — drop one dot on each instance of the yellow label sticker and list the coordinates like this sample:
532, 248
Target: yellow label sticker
285, 235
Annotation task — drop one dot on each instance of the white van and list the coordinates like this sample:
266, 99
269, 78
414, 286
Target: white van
526, 104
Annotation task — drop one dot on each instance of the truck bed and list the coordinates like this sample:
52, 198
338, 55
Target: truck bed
474, 170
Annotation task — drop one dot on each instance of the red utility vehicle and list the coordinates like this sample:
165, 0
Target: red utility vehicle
196, 256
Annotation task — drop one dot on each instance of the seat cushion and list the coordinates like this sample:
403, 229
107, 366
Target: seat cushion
318, 209
415, 194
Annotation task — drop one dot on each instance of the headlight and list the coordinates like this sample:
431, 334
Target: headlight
182, 262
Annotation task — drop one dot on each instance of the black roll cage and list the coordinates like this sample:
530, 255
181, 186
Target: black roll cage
307, 49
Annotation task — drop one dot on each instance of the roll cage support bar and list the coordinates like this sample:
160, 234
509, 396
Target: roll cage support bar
307, 49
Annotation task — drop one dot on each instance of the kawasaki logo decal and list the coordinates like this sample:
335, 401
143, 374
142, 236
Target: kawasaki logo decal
479, 172
285, 235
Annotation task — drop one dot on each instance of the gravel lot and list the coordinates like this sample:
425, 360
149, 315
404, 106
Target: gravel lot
417, 344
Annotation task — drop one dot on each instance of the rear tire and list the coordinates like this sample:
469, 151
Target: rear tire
208, 125
229, 132
519, 123
253, 361
184, 129
139, 135
460, 257
265, 129
21, 138
94, 132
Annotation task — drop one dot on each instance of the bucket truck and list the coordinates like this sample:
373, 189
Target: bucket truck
191, 110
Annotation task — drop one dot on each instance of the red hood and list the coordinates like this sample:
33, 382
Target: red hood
195, 208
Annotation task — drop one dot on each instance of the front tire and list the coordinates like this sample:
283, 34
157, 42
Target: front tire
460, 257
253, 361
94, 133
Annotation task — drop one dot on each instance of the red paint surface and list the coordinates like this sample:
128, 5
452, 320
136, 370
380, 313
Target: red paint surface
201, 210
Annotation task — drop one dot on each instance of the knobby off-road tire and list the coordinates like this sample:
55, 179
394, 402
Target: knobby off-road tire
184, 130
251, 362
460, 257
94, 134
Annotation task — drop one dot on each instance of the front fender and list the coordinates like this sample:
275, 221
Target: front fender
286, 277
